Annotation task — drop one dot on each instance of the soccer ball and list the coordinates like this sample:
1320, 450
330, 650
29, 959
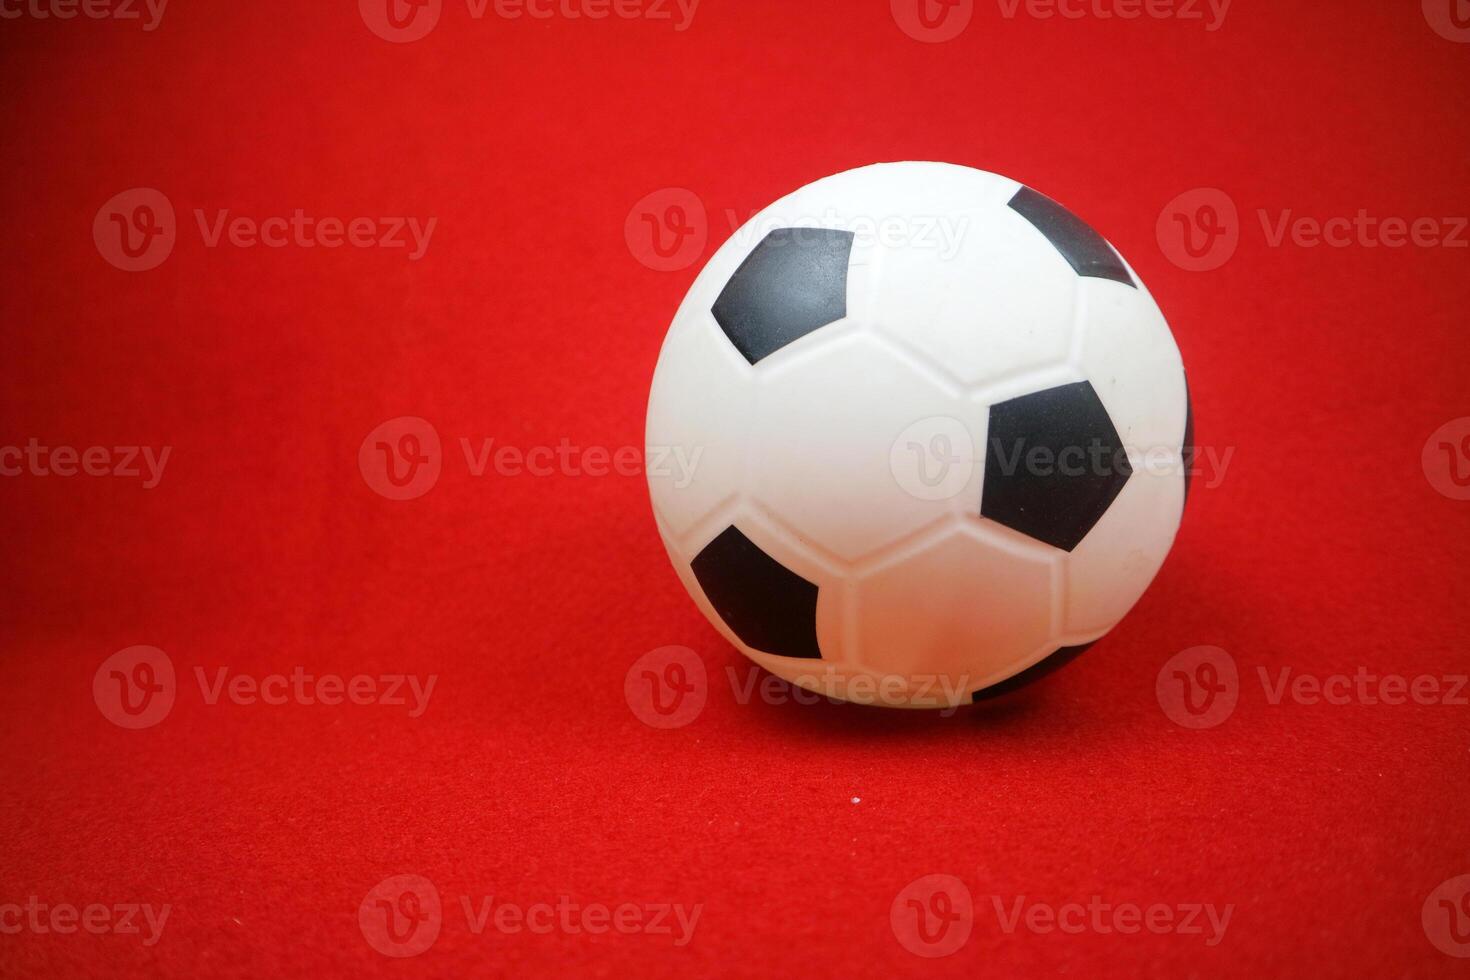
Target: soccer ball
935, 433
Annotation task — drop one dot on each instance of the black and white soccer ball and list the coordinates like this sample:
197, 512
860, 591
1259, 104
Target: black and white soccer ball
935, 430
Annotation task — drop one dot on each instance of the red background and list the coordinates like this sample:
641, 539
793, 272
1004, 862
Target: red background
530, 320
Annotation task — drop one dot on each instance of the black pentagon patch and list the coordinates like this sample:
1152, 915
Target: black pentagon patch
1085, 250
1047, 665
770, 607
793, 283
1053, 464
1187, 449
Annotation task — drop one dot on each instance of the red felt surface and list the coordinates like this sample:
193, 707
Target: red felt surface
529, 320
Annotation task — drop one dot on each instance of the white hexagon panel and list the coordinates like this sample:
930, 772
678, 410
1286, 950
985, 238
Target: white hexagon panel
937, 428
